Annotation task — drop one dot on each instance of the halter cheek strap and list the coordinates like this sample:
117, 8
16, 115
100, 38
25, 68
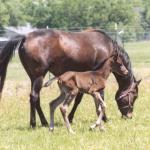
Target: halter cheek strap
127, 93
129, 98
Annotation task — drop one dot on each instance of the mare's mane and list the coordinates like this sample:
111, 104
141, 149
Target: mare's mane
121, 52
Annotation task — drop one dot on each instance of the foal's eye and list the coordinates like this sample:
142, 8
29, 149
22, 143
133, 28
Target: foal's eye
121, 66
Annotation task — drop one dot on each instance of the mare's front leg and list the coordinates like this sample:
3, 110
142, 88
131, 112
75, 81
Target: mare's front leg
76, 103
36, 86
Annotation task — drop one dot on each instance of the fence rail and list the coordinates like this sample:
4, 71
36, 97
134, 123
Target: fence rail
121, 34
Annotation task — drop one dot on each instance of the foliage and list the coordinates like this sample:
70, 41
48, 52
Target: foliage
77, 14
146, 16
11, 13
66, 13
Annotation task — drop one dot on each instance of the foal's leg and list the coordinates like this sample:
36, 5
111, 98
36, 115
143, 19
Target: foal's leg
98, 122
64, 107
76, 103
35, 102
100, 110
104, 118
53, 105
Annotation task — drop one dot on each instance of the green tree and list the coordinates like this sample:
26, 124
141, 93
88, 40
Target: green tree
73, 13
4, 17
11, 13
146, 13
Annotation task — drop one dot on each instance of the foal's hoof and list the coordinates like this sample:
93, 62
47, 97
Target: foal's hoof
92, 127
51, 129
102, 129
71, 131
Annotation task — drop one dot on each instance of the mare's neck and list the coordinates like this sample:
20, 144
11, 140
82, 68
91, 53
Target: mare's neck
124, 82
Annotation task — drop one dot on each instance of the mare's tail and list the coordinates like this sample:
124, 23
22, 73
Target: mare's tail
6, 54
48, 83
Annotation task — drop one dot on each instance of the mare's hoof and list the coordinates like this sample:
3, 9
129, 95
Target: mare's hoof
70, 118
33, 125
105, 119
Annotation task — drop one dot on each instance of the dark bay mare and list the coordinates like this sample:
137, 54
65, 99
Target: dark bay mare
58, 51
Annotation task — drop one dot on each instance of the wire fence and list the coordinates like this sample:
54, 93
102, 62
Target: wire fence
120, 34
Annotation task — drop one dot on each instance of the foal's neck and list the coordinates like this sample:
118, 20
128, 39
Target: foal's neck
105, 70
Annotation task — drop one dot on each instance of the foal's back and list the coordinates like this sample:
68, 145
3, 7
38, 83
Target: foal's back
83, 81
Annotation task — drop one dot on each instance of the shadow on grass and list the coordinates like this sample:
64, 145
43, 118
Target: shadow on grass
21, 128
58, 124
28, 128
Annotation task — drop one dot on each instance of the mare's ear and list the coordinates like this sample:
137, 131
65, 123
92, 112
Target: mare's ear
138, 82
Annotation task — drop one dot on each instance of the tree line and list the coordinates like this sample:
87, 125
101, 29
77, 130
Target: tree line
76, 14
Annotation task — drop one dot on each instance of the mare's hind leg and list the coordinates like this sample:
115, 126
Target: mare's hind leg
76, 103
35, 102
36, 72
53, 105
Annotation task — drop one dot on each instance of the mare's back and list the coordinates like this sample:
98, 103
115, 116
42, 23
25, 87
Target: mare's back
64, 51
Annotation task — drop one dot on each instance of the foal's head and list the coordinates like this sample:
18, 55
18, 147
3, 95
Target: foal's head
118, 66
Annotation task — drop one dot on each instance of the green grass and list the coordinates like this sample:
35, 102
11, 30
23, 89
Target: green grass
139, 53
120, 134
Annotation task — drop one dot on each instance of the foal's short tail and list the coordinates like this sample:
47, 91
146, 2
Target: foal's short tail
6, 54
48, 83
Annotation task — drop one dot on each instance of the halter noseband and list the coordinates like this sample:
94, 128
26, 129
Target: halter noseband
127, 93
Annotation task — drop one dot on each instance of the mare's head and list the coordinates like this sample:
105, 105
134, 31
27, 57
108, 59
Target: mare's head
126, 99
128, 86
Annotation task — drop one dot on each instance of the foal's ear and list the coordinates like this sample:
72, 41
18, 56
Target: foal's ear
138, 82
115, 58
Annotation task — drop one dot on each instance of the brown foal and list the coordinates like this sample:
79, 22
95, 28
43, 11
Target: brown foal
90, 82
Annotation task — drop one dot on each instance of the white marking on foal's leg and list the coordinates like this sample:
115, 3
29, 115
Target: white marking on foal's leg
63, 110
92, 127
98, 122
101, 109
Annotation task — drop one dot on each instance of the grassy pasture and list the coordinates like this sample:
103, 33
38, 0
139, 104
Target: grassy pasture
120, 134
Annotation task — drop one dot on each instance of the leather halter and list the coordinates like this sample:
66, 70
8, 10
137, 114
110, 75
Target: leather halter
127, 93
